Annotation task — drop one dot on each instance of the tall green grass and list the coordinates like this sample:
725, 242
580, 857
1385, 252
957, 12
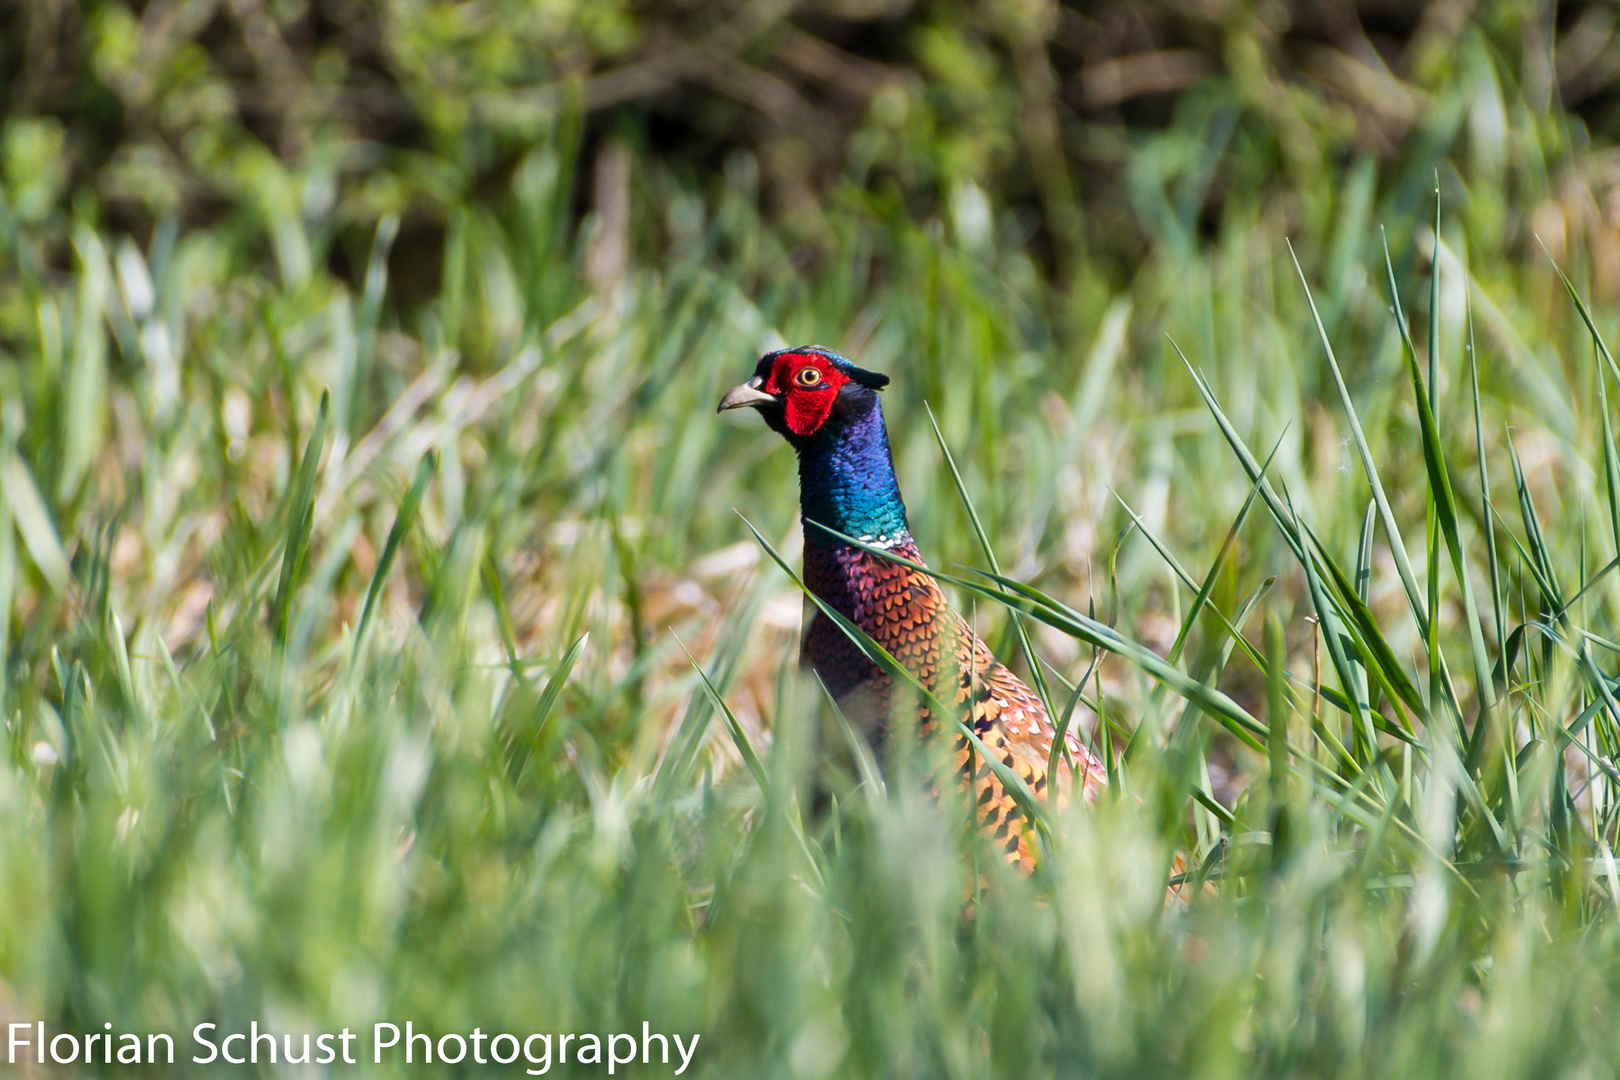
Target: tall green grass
347, 651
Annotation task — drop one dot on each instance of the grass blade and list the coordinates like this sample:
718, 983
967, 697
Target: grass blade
403, 522
1397, 546
990, 556
300, 504
34, 524
739, 737
547, 704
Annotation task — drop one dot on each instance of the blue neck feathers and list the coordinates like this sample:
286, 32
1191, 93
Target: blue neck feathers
846, 476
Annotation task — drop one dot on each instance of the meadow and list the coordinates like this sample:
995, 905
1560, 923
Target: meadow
385, 637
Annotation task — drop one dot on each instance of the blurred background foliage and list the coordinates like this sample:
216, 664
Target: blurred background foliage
1099, 132
360, 491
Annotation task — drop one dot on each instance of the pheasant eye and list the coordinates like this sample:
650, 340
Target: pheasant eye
807, 376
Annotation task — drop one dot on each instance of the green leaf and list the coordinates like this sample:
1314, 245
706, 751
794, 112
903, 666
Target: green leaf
300, 510
403, 522
990, 556
34, 523
1397, 546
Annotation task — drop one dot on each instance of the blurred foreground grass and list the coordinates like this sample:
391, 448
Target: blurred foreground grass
343, 638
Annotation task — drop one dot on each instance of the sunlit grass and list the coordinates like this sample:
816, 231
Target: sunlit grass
347, 650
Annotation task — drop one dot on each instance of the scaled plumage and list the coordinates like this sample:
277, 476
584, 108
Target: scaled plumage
828, 409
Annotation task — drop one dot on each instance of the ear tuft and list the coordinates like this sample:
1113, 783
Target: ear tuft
864, 377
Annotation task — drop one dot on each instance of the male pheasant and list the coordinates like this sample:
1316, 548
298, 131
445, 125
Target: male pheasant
828, 409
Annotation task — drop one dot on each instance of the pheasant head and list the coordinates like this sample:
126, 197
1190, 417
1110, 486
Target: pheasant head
829, 410
798, 390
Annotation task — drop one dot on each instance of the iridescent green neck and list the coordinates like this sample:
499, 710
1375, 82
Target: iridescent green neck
846, 476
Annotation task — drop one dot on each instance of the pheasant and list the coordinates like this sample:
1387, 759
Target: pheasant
828, 409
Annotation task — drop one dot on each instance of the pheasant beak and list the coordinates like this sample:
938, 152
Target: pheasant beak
748, 394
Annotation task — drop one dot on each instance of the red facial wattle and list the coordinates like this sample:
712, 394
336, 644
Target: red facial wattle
807, 401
